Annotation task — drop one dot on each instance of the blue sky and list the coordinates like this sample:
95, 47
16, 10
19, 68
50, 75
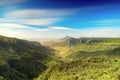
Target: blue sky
54, 19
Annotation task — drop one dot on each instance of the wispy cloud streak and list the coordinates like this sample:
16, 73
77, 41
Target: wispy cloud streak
60, 28
10, 2
38, 13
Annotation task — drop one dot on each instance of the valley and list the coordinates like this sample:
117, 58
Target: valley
85, 59
59, 39
65, 59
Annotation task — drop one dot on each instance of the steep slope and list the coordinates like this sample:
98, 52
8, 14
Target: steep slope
22, 59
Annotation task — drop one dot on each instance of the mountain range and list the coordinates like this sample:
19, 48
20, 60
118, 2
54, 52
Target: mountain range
65, 59
85, 59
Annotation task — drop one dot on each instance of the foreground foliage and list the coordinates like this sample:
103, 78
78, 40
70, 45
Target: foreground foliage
90, 68
21, 59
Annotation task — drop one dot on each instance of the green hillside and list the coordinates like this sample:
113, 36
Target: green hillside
69, 59
74, 46
90, 68
85, 59
22, 59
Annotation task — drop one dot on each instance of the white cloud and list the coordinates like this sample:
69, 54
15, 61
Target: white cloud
60, 28
36, 22
12, 25
56, 34
97, 32
10, 2
41, 30
22, 34
38, 13
39, 22
38, 17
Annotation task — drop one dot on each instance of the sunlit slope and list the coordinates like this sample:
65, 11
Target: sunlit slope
74, 45
85, 59
104, 66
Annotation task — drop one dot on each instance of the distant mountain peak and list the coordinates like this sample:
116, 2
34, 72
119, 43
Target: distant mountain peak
65, 38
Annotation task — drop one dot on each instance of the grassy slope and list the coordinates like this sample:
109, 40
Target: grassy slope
71, 46
96, 58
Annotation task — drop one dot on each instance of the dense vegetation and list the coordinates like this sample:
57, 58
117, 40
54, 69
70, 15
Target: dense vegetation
90, 68
85, 59
73, 59
21, 59
72, 47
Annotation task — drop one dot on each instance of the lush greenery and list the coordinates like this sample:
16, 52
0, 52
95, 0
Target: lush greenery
85, 59
68, 59
22, 60
72, 47
90, 68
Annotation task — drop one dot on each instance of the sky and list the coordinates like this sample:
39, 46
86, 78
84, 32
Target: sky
54, 19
